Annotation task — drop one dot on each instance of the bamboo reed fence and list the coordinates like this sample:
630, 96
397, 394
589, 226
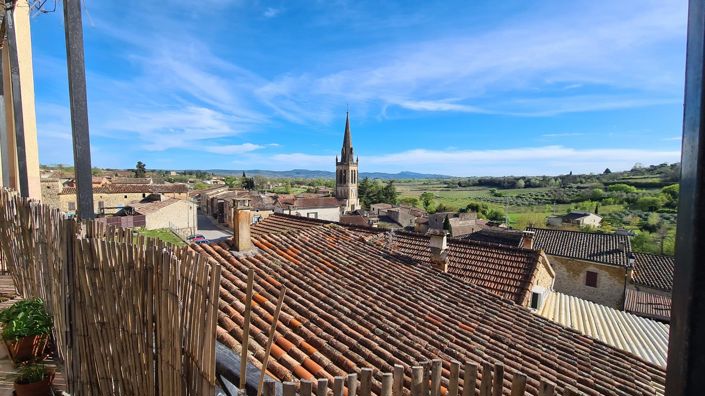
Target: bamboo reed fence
132, 315
426, 380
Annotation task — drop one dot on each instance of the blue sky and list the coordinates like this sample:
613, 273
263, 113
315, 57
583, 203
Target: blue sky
453, 87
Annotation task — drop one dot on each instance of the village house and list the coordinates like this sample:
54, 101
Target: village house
459, 224
575, 218
352, 302
178, 215
649, 286
324, 208
497, 235
112, 197
590, 266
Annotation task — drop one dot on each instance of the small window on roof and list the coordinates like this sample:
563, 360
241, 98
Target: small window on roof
591, 279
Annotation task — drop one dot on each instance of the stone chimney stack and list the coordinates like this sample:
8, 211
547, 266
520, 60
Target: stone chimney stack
527, 239
439, 249
241, 229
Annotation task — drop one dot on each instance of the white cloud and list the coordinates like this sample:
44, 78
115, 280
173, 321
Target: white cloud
233, 148
271, 12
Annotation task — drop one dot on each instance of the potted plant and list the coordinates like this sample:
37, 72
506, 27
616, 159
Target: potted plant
34, 380
26, 328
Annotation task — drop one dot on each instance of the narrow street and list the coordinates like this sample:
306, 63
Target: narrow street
208, 228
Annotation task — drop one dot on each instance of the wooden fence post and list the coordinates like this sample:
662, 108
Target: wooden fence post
398, 385
547, 388
436, 371
322, 387
417, 381
498, 379
365, 382
289, 388
518, 384
387, 382
453, 378
469, 379
269, 388
306, 388
486, 384
338, 384
352, 384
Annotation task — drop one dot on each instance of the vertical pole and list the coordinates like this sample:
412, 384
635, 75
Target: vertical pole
79, 108
18, 114
4, 141
686, 348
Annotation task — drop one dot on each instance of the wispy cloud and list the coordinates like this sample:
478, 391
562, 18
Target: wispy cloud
514, 161
233, 148
271, 12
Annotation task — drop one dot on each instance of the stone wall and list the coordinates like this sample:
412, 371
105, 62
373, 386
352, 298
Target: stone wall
179, 215
50, 192
570, 279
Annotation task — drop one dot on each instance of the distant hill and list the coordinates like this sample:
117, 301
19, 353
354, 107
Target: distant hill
317, 174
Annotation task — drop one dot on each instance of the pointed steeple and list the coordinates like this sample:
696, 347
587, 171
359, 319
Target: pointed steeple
346, 154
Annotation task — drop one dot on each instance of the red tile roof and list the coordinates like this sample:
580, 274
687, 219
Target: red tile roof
649, 305
601, 248
279, 223
653, 270
132, 188
349, 304
310, 202
505, 270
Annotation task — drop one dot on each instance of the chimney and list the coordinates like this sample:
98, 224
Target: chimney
527, 239
622, 247
439, 249
241, 229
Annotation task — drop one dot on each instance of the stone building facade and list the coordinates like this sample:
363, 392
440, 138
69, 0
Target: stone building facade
575, 277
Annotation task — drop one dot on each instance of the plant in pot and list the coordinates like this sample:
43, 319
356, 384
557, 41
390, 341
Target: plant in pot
34, 380
26, 328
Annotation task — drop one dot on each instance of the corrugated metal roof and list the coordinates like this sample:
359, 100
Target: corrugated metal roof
643, 337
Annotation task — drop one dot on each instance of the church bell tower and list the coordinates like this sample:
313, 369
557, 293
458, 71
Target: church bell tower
346, 173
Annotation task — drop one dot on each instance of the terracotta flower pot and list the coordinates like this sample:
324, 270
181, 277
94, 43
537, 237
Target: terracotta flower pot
28, 348
41, 388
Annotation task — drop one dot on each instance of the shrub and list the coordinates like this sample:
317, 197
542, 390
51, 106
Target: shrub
25, 318
31, 373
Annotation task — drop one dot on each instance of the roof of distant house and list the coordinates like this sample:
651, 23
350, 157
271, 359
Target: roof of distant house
354, 219
643, 337
132, 188
575, 215
496, 235
504, 270
654, 270
280, 223
601, 248
152, 207
131, 180
310, 203
647, 304
351, 304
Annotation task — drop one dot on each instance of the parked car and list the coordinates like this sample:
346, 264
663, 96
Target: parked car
200, 241
196, 238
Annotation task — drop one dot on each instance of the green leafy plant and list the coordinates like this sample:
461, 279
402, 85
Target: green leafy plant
31, 373
25, 318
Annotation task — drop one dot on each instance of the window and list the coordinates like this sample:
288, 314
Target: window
125, 196
535, 300
101, 204
312, 215
591, 279
72, 206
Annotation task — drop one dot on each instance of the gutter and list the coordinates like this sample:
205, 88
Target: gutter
227, 372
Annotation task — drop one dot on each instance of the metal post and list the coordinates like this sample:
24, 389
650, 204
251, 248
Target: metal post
79, 108
18, 115
686, 349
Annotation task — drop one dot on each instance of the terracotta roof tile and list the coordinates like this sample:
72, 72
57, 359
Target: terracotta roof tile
653, 270
647, 304
133, 188
602, 248
504, 270
364, 307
